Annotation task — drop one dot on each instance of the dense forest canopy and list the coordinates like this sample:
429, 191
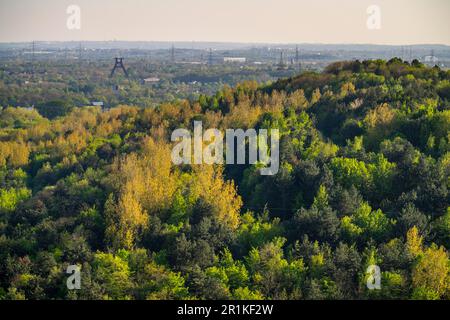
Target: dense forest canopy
364, 177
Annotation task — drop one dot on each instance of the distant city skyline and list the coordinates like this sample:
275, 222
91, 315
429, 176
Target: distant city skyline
403, 22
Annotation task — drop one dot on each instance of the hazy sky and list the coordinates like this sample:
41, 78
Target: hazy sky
275, 21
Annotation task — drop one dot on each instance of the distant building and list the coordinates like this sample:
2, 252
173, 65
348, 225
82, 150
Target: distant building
234, 59
191, 62
151, 80
431, 59
97, 103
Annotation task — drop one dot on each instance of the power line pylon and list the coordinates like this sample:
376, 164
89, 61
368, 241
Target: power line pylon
80, 52
172, 53
119, 64
210, 57
297, 58
281, 64
33, 49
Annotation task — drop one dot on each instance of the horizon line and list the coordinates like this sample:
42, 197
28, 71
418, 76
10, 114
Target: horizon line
237, 42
